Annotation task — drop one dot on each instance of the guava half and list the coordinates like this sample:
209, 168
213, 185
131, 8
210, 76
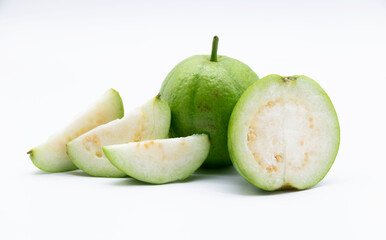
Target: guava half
51, 156
160, 161
284, 133
150, 121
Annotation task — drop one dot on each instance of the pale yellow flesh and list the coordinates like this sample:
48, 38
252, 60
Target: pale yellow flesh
51, 156
285, 140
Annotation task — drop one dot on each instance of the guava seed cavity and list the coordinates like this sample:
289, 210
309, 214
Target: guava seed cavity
269, 133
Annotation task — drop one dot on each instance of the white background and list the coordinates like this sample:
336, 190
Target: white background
56, 57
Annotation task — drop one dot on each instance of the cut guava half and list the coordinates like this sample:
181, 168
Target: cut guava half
150, 121
162, 160
51, 156
284, 133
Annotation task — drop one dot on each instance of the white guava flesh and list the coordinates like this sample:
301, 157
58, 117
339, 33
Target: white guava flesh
160, 161
150, 121
284, 133
51, 156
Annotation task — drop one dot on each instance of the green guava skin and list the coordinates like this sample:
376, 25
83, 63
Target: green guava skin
201, 95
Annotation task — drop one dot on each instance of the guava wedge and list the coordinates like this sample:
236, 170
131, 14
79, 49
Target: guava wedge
160, 161
51, 156
284, 133
150, 121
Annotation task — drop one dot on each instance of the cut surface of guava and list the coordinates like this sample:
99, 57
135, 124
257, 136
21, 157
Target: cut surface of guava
51, 156
160, 161
150, 121
284, 133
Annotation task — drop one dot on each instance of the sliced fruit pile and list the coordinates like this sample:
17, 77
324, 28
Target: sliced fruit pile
119, 148
151, 121
279, 132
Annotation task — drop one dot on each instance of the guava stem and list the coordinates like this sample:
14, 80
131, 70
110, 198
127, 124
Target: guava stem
213, 57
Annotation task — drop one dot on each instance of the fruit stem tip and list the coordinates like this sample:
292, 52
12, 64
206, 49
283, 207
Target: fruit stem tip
213, 57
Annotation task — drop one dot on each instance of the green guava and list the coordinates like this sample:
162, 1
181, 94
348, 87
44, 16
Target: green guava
51, 156
284, 133
150, 121
162, 160
201, 92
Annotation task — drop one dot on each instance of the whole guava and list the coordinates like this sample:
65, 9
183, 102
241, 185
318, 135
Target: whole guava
201, 92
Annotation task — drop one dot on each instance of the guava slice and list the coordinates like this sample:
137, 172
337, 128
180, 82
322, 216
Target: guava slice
284, 133
51, 156
150, 121
160, 161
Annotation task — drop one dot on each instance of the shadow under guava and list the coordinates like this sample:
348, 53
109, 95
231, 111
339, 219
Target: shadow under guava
79, 173
76, 172
129, 181
228, 180
41, 172
225, 180
248, 189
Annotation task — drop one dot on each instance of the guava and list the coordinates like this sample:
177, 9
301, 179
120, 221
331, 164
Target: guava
201, 92
150, 121
51, 156
284, 133
162, 160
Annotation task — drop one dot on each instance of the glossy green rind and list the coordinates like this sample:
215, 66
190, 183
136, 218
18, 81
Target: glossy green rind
201, 95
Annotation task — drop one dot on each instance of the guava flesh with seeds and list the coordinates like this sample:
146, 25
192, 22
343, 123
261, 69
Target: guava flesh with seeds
160, 161
51, 156
150, 121
284, 133
201, 92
